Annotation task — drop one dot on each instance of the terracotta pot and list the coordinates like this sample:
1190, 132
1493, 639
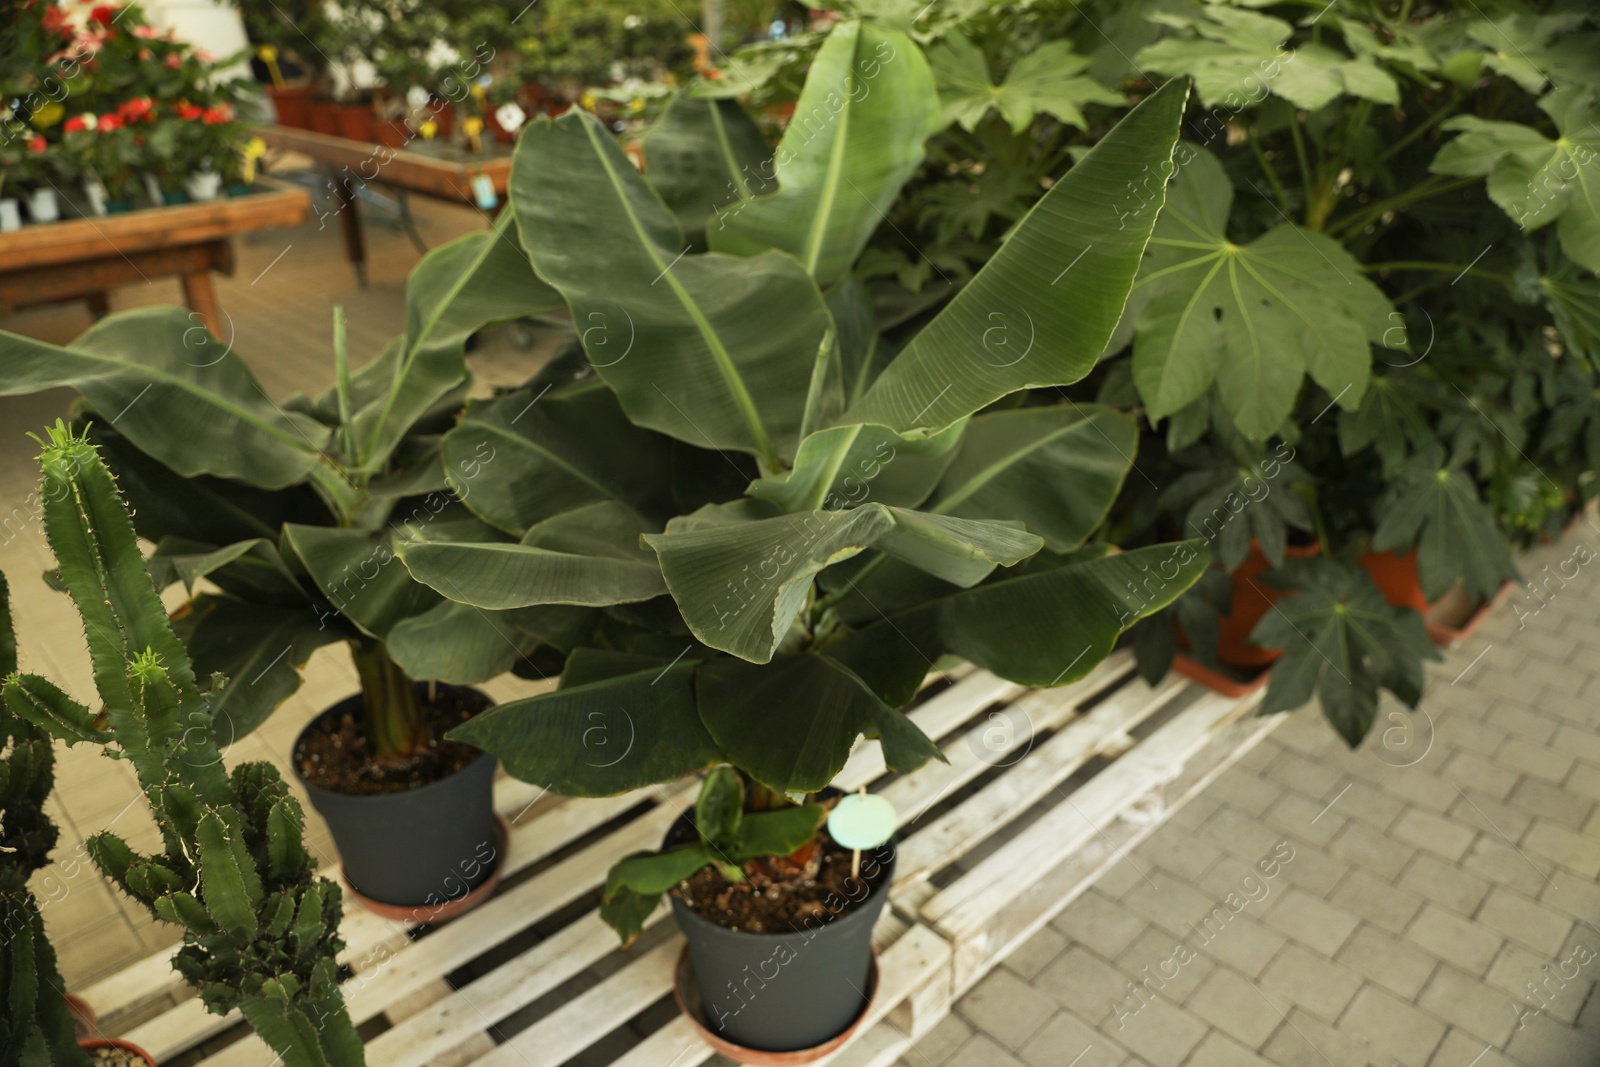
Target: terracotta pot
325, 117
356, 122
394, 133
1396, 578
292, 104
1217, 681
83, 1017
126, 1046
1252, 599
443, 113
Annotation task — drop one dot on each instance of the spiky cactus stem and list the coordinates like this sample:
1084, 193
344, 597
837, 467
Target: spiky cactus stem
260, 929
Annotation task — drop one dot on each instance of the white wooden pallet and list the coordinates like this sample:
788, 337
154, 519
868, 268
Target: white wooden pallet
1043, 789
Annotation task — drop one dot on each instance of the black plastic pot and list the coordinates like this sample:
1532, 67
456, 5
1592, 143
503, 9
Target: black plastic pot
425, 846
784, 992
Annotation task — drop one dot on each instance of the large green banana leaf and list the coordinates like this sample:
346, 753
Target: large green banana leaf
1047, 625
457, 289
532, 454
702, 154
177, 393
792, 723
601, 738
1056, 469
590, 555
358, 572
740, 584
458, 643
845, 465
1041, 311
856, 135
720, 347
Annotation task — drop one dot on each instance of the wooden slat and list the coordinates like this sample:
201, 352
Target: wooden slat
418, 172
962, 908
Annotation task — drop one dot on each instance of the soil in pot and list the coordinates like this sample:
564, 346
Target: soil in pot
801, 980
418, 835
105, 1052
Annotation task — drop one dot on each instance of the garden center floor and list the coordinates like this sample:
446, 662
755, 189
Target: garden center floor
1430, 879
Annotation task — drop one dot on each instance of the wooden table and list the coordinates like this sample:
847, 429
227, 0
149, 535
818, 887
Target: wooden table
425, 168
85, 258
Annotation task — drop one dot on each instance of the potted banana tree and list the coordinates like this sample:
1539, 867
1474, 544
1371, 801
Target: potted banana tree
292, 513
752, 529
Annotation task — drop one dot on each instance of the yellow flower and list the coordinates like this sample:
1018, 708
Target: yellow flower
48, 115
586, 101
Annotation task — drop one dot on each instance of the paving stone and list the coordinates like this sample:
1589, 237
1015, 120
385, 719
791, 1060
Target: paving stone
981, 1050
1083, 983
1463, 1000
1444, 883
1581, 743
1457, 1049
1441, 836
1156, 957
1394, 963
1305, 979
1500, 862
1305, 1040
1534, 981
1393, 1027
1491, 816
1524, 920
1245, 792
1180, 851
1303, 820
1244, 944
1584, 780
1236, 1006
1242, 835
939, 1044
1310, 778
1570, 848
1005, 1007
1310, 921
1370, 805
1576, 897
1218, 1050
1481, 775
1067, 1039
1161, 1032
1535, 759
1544, 1040
1377, 852
1035, 954
1378, 902
1103, 924
1450, 937
1168, 901
1554, 802
1482, 739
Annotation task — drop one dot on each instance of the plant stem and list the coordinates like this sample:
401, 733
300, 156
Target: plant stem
1300, 155
1421, 128
397, 728
1269, 170
1439, 268
1373, 212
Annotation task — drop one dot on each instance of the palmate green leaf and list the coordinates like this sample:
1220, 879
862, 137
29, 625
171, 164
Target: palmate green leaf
457, 289
1435, 509
722, 345
1341, 641
590, 555
532, 454
848, 464
603, 737
1047, 624
741, 583
1049, 80
259, 647
1537, 181
170, 389
855, 136
1237, 57
1252, 318
702, 155
1519, 46
1055, 469
1041, 310
792, 723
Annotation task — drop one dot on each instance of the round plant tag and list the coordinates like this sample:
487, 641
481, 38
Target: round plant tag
861, 821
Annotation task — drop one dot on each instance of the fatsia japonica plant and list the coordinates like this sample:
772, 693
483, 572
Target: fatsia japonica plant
763, 524
292, 512
261, 930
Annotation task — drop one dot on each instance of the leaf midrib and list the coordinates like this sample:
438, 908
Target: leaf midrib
989, 473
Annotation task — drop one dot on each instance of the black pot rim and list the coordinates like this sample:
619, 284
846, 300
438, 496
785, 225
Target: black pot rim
338, 708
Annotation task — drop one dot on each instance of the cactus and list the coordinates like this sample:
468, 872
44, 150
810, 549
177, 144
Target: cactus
35, 1026
260, 929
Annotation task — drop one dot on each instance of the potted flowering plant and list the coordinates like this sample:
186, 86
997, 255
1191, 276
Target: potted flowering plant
24, 170
206, 146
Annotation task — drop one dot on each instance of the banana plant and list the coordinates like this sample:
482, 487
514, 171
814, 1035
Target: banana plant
36, 1027
261, 930
751, 527
293, 511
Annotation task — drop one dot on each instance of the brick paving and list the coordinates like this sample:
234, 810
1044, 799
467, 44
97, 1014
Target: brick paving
1439, 910
1419, 903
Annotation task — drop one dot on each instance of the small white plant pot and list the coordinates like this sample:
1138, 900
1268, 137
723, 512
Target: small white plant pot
43, 205
96, 194
10, 214
206, 185
152, 188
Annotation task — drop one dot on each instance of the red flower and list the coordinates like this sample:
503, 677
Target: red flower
214, 115
78, 123
188, 112
55, 21
104, 14
140, 107
36, 144
173, 60
108, 123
